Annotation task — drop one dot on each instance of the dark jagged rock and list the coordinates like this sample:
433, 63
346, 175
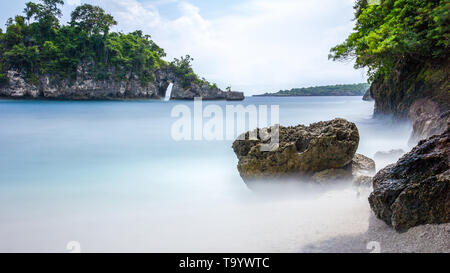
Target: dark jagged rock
415, 190
303, 151
88, 87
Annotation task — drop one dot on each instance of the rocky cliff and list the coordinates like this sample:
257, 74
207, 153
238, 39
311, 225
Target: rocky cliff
418, 92
88, 87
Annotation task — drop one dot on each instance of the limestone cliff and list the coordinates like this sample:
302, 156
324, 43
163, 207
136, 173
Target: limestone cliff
87, 87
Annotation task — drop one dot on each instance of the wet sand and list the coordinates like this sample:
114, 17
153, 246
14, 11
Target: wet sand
380, 238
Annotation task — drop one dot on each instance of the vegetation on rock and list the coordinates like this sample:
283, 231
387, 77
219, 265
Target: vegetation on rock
36, 43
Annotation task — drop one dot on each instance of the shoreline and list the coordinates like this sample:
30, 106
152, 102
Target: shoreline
419, 239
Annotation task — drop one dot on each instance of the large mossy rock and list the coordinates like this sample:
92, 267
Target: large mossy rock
415, 190
302, 151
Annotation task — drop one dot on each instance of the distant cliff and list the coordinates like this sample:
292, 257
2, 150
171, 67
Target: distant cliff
87, 87
329, 90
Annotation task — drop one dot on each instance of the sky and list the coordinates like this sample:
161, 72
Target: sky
255, 46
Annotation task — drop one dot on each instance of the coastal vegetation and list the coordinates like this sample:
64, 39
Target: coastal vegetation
36, 43
390, 32
329, 90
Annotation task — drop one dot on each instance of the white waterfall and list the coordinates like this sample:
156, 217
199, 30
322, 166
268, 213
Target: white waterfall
168, 92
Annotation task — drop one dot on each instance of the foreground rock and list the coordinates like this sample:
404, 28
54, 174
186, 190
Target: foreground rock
415, 190
87, 87
322, 152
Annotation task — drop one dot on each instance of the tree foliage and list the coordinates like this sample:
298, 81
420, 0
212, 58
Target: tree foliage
389, 31
92, 19
183, 69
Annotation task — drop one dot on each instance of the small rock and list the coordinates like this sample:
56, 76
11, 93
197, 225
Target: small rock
363, 166
363, 181
332, 175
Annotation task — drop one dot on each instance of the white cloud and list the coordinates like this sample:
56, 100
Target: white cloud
260, 46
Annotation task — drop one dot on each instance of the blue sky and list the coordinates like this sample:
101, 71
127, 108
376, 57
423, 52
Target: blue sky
254, 46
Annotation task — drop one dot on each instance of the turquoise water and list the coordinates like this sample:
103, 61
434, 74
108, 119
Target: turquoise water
110, 176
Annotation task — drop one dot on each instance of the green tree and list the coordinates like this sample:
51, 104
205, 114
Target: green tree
92, 19
46, 13
391, 31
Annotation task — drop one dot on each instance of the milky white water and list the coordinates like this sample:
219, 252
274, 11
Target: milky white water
109, 176
168, 92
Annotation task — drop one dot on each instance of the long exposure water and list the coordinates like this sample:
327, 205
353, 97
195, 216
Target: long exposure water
108, 174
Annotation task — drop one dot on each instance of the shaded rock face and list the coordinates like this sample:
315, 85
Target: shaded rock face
362, 166
427, 120
416, 91
87, 87
304, 151
409, 82
368, 96
415, 190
